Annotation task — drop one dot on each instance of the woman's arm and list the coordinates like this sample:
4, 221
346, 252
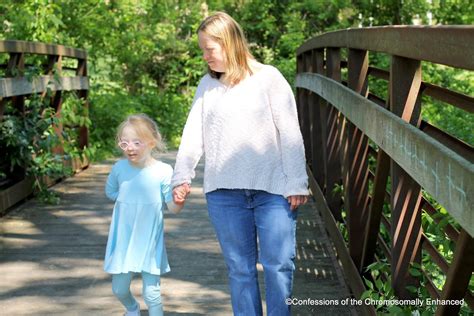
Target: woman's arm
285, 116
191, 147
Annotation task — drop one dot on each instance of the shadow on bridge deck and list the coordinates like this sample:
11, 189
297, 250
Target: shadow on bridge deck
51, 257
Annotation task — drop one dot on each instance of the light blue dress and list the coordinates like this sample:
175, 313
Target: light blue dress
136, 236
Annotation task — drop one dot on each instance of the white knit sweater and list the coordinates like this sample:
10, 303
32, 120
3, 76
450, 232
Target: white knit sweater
249, 135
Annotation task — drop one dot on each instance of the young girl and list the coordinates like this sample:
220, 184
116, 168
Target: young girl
139, 185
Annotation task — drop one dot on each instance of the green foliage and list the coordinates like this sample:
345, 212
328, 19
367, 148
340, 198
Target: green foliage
26, 140
146, 51
30, 141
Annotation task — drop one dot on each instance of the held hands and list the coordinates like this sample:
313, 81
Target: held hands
180, 193
297, 200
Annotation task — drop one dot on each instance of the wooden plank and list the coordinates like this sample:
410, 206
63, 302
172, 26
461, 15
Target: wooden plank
379, 73
434, 254
15, 194
459, 274
10, 87
448, 228
462, 101
446, 176
461, 148
41, 48
448, 45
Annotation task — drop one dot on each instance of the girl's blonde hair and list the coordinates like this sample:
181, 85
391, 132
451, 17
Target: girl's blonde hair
223, 29
146, 129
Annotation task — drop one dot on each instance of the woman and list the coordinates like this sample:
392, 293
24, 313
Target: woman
244, 121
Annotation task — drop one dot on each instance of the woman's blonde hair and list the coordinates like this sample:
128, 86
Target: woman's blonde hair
223, 29
146, 129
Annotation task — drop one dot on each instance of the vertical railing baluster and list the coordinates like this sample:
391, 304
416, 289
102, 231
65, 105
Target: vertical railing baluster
299, 91
82, 94
305, 113
459, 274
332, 137
56, 103
16, 68
315, 101
354, 150
405, 82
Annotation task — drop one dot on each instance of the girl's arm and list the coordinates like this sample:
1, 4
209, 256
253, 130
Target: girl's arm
167, 192
112, 185
173, 207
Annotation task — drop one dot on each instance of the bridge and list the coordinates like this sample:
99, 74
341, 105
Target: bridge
391, 217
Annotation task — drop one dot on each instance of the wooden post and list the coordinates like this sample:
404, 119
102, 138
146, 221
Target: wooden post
315, 101
405, 82
3, 103
331, 135
305, 112
459, 274
372, 228
299, 91
56, 103
16, 68
354, 151
82, 94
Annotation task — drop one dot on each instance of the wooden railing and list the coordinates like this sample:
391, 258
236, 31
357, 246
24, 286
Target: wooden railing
61, 69
345, 125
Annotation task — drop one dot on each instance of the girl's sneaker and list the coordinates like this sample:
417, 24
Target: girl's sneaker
136, 312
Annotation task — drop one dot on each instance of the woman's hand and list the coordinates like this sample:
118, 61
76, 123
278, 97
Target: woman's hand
297, 200
180, 193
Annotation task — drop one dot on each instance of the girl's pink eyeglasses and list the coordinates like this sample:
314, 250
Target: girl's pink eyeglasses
135, 144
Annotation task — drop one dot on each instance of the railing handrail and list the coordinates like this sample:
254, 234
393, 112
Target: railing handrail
445, 45
434, 167
10, 46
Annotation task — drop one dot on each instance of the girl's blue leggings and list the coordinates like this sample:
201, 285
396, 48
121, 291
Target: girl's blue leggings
151, 292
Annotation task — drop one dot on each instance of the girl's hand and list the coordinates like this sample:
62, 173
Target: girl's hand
180, 193
297, 200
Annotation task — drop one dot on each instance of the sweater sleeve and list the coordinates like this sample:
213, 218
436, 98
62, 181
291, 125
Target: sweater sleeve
112, 184
283, 106
191, 147
166, 189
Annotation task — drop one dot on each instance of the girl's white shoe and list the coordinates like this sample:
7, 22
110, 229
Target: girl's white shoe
133, 313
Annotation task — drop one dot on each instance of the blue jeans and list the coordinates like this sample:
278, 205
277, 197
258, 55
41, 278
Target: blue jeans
151, 292
240, 217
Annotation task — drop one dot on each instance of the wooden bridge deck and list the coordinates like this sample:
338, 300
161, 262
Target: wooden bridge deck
51, 257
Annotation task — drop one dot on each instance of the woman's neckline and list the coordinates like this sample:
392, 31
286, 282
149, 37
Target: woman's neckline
261, 68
